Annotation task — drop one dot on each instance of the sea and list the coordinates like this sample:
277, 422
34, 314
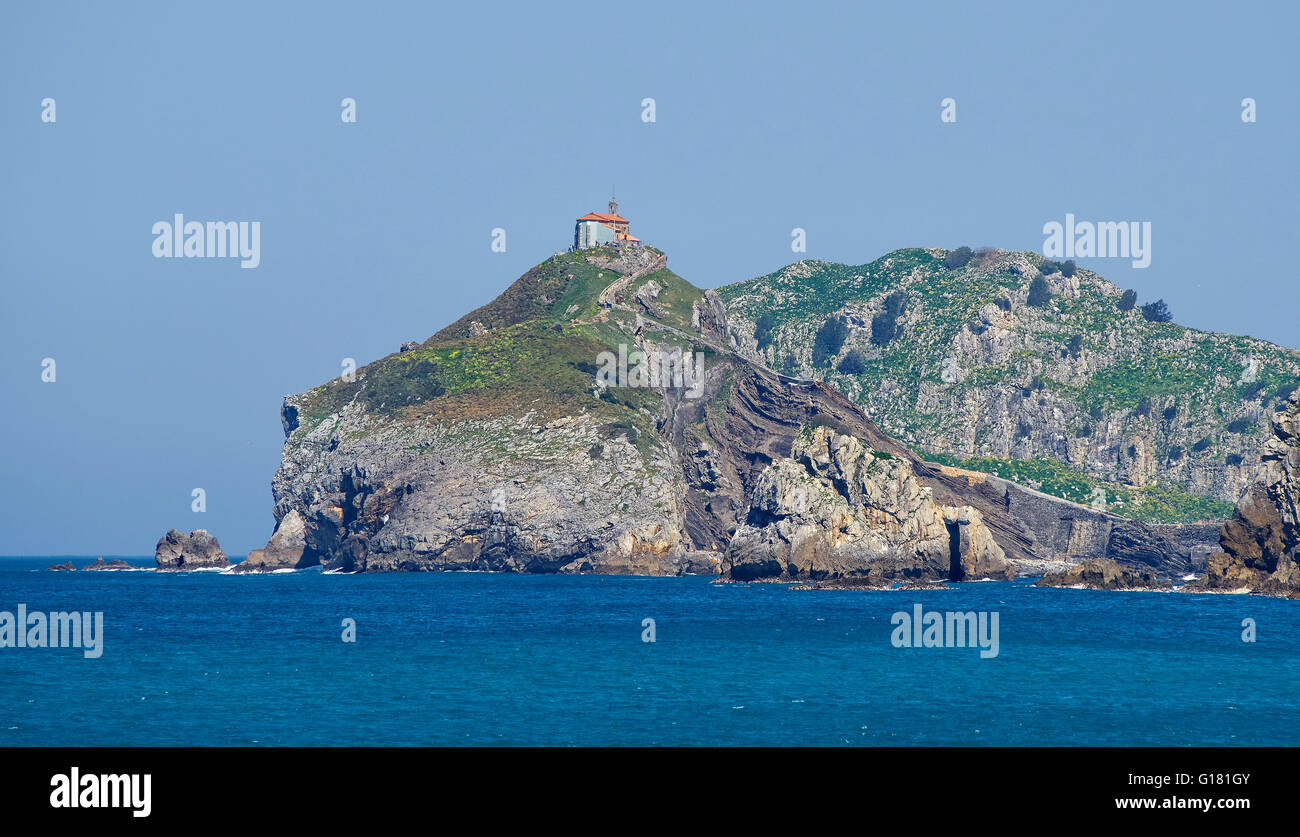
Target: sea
213, 659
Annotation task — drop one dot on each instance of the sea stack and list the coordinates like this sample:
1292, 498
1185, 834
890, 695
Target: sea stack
196, 551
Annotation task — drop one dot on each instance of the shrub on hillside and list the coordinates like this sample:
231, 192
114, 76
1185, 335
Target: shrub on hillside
1240, 425
1039, 292
1204, 444
763, 330
853, 363
1157, 312
1233, 459
884, 326
958, 258
828, 342
1068, 269
1048, 267
1128, 300
1075, 346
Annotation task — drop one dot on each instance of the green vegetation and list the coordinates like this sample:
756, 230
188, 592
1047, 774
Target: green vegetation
1157, 312
763, 330
539, 353
1158, 503
853, 363
830, 339
675, 301
884, 326
1039, 293
958, 258
1156, 380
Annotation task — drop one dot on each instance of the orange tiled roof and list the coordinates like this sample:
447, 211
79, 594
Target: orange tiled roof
603, 217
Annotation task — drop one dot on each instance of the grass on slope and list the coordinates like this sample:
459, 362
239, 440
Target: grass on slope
530, 366
1157, 503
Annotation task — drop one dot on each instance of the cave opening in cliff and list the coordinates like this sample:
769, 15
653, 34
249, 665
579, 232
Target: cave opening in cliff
955, 572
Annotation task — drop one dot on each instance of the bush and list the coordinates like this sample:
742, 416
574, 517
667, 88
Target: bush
1157, 312
1144, 407
828, 342
1170, 414
1003, 303
1075, 346
1048, 267
1128, 300
1084, 432
1175, 453
789, 365
1036, 385
1253, 390
763, 330
1233, 459
1204, 444
1240, 425
884, 326
853, 363
958, 258
1068, 269
1039, 292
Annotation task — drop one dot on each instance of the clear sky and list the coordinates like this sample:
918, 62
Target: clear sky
474, 116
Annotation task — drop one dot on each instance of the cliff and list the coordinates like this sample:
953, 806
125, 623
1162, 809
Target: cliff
1260, 541
1072, 391
596, 418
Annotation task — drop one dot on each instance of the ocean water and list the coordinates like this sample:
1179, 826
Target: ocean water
479, 659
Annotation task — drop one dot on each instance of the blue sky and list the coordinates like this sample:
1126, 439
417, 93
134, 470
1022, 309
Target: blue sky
170, 372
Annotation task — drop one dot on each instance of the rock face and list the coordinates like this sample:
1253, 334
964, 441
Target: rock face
494, 448
837, 509
283, 552
976, 372
115, 564
196, 551
1259, 542
572, 496
1070, 533
1101, 574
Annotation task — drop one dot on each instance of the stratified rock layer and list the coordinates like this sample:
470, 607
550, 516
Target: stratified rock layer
837, 509
495, 446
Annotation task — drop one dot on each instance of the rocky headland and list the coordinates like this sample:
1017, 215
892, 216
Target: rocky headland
497, 445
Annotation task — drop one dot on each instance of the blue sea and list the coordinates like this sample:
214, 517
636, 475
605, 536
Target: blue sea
203, 658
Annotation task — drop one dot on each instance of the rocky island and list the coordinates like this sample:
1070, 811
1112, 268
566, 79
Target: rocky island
196, 551
604, 415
